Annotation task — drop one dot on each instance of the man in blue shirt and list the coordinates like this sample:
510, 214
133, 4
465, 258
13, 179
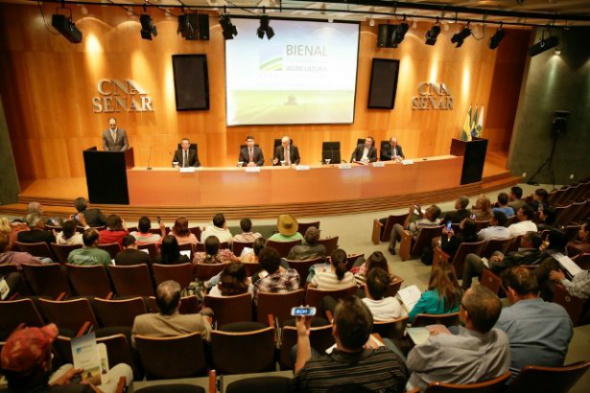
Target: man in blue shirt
503, 205
539, 332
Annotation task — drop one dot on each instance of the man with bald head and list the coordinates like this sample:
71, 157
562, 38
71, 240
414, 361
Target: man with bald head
168, 321
477, 352
286, 153
393, 151
114, 138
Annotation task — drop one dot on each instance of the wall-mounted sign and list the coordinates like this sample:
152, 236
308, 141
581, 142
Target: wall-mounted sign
432, 96
121, 96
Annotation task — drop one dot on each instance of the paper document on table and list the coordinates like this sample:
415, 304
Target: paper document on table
419, 335
86, 357
565, 262
409, 296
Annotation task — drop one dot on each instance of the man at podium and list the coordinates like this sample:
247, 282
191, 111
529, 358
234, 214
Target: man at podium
114, 138
185, 156
251, 155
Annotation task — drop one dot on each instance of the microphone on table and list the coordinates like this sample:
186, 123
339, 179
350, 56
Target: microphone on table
149, 168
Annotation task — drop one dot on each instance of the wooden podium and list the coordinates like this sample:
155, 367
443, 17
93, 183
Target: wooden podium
474, 157
106, 175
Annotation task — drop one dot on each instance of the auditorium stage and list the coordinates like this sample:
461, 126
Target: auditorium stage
57, 196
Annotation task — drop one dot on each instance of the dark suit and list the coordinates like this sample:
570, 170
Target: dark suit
120, 144
358, 153
94, 217
35, 236
193, 158
256, 154
132, 257
457, 216
387, 154
293, 152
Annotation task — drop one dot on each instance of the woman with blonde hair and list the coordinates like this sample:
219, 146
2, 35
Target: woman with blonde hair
482, 208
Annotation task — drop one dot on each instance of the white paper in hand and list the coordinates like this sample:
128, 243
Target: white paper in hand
565, 262
409, 296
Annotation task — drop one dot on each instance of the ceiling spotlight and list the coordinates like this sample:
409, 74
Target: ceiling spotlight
432, 35
67, 28
265, 27
229, 30
187, 26
147, 27
459, 37
399, 33
496, 38
544, 45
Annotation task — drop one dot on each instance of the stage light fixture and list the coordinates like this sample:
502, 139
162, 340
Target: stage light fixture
399, 33
147, 27
229, 30
432, 35
67, 28
544, 45
496, 38
265, 27
460, 37
187, 26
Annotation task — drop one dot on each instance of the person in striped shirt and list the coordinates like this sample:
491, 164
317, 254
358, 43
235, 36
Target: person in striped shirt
336, 276
352, 364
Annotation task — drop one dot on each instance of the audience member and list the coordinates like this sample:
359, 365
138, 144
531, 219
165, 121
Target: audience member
351, 364
382, 308
337, 277
429, 219
114, 232
548, 219
247, 236
233, 281
578, 286
181, 232
539, 201
482, 208
168, 321
219, 230
26, 361
515, 198
15, 258
213, 254
287, 226
460, 212
277, 279
131, 255
170, 253
497, 229
443, 295
581, 244
94, 217
477, 353
450, 241
36, 232
311, 249
7, 229
539, 332
250, 255
529, 253
375, 260
503, 205
68, 235
143, 234
89, 254
525, 216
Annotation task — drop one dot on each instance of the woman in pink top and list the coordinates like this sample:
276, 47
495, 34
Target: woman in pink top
181, 232
213, 254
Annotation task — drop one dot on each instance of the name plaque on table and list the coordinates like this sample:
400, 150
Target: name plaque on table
344, 166
188, 170
253, 169
407, 162
302, 167
378, 164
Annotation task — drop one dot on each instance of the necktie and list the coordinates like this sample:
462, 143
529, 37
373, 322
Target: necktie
287, 157
185, 159
114, 135
251, 155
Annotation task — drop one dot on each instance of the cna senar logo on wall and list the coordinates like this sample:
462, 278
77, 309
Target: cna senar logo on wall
121, 96
432, 95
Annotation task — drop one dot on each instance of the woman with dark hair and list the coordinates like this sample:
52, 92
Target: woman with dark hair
443, 295
250, 255
375, 260
115, 231
337, 277
181, 232
450, 241
213, 254
548, 217
233, 281
539, 201
68, 235
170, 253
143, 234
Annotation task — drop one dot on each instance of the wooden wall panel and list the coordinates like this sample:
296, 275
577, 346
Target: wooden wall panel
47, 85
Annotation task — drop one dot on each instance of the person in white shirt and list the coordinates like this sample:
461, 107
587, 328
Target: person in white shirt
496, 230
143, 234
219, 230
365, 153
247, 236
525, 216
68, 235
382, 308
233, 280
337, 277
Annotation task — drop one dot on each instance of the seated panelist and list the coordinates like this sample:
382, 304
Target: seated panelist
365, 153
186, 157
287, 153
392, 151
251, 155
